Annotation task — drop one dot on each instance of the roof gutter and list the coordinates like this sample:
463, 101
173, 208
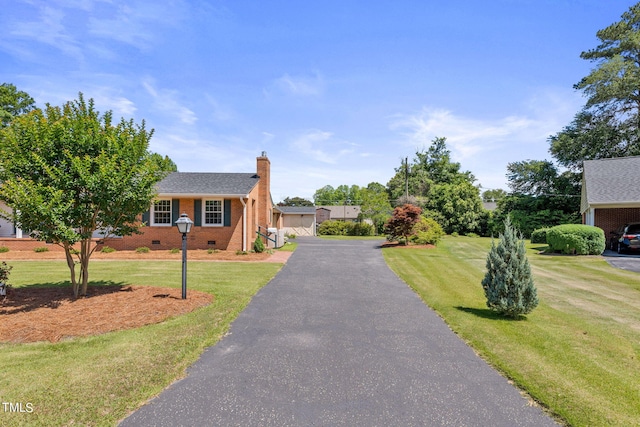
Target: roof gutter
244, 224
198, 196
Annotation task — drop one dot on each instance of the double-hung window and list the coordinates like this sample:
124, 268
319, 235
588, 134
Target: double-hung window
213, 212
161, 212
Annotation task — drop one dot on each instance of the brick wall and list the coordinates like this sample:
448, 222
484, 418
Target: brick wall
611, 219
165, 237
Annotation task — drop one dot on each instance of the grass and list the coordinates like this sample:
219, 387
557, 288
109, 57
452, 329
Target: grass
288, 247
577, 353
98, 380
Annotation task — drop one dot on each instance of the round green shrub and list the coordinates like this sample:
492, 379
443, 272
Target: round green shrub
4, 249
142, 250
107, 250
359, 229
578, 239
539, 235
427, 232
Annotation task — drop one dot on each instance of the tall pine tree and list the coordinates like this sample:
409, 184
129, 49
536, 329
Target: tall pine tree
508, 284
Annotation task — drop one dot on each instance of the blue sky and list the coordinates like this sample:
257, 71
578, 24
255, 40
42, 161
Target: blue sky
336, 92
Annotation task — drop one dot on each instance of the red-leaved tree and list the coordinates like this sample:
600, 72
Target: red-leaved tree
402, 222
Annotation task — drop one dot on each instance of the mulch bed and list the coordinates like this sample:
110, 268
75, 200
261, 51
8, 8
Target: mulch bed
52, 314
32, 314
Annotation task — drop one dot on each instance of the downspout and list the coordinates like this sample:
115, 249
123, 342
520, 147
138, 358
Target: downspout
244, 225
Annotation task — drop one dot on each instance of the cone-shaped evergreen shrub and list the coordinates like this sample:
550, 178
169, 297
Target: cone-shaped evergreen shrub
508, 284
258, 246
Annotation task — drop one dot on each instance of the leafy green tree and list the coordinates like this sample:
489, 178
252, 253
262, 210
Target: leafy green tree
295, 201
456, 206
614, 83
440, 188
69, 171
591, 135
541, 197
493, 195
13, 102
508, 283
609, 124
374, 205
342, 195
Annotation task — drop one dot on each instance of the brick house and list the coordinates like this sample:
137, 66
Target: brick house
227, 210
610, 192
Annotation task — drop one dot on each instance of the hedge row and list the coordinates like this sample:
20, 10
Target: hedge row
345, 228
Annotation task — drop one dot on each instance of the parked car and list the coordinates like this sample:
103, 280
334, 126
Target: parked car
625, 238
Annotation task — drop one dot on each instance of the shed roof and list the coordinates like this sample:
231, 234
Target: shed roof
298, 210
611, 182
207, 184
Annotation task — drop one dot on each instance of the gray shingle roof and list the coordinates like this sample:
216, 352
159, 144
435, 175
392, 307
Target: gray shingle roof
611, 182
207, 183
300, 210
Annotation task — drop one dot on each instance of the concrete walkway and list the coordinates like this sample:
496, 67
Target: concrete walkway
336, 339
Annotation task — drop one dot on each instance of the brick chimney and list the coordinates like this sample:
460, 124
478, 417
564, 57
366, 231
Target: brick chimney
264, 190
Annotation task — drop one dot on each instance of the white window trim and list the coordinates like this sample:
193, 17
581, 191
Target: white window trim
152, 216
204, 213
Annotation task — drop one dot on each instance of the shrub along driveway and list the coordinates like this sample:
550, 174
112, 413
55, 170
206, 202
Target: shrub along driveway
337, 339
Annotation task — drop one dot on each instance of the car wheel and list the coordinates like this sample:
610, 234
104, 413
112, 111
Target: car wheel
620, 248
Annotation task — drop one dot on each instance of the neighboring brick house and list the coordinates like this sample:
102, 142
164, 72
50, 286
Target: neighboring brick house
226, 208
610, 192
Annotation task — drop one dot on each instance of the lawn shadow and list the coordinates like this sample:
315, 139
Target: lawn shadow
485, 313
52, 294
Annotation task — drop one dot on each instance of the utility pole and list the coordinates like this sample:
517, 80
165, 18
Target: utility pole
406, 178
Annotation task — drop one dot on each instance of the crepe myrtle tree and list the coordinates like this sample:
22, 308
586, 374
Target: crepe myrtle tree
508, 283
69, 171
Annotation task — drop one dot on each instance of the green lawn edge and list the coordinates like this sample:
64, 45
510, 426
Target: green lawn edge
577, 353
99, 380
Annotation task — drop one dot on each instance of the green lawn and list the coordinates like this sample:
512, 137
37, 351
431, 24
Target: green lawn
577, 353
99, 380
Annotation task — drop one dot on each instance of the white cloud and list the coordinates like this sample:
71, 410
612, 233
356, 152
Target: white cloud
485, 146
308, 144
47, 28
165, 100
298, 85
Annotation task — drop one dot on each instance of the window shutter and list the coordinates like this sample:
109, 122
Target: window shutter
175, 210
146, 217
227, 213
197, 214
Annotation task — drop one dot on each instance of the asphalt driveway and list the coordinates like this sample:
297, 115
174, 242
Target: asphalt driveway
629, 262
337, 339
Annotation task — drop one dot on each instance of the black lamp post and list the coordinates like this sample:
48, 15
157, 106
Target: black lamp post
184, 226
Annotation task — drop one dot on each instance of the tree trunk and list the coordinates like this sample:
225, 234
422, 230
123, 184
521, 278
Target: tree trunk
85, 253
72, 269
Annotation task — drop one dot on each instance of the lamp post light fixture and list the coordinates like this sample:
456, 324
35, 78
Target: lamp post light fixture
184, 224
